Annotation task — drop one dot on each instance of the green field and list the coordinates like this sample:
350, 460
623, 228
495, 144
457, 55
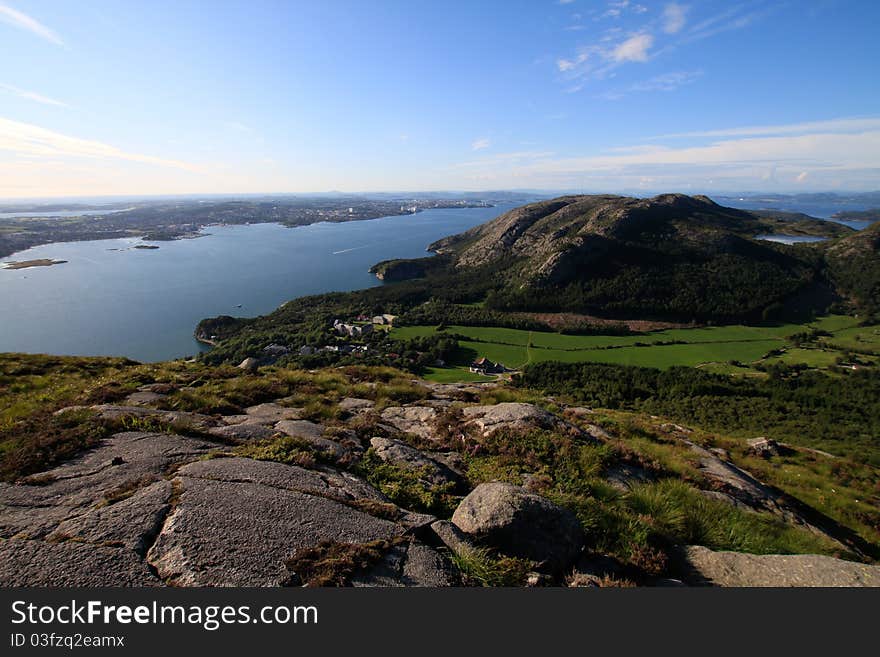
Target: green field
864, 339
714, 346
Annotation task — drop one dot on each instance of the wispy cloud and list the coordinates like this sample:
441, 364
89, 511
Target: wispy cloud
30, 95
24, 22
481, 144
674, 18
794, 155
569, 64
735, 18
842, 125
634, 49
665, 82
28, 140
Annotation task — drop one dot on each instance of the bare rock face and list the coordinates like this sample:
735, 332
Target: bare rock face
37, 563
132, 522
121, 464
243, 433
739, 569
417, 420
520, 524
237, 522
405, 456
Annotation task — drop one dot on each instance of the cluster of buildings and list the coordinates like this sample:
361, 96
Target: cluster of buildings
352, 330
486, 366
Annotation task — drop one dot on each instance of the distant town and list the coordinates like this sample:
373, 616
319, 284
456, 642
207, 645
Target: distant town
26, 226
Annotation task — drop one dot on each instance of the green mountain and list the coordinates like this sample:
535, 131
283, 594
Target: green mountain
671, 256
854, 266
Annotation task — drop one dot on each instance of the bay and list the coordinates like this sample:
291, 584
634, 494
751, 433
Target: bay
112, 299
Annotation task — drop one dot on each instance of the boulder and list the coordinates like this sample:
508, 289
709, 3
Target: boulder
520, 524
706, 567
764, 447
401, 454
249, 365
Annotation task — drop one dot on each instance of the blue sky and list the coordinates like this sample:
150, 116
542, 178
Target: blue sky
161, 97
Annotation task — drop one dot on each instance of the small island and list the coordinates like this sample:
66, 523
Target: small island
146, 246
40, 262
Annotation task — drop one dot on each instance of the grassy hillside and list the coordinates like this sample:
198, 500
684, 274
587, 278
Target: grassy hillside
638, 527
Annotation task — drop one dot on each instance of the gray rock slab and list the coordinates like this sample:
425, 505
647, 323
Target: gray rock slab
752, 570
182, 419
132, 523
327, 482
120, 462
510, 415
417, 420
143, 398
224, 533
38, 563
413, 564
399, 453
271, 413
243, 433
356, 405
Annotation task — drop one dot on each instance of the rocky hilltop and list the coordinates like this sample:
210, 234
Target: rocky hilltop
367, 478
671, 256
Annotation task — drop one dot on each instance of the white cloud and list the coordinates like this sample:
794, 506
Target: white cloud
802, 176
480, 144
30, 95
28, 140
634, 49
24, 22
674, 18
